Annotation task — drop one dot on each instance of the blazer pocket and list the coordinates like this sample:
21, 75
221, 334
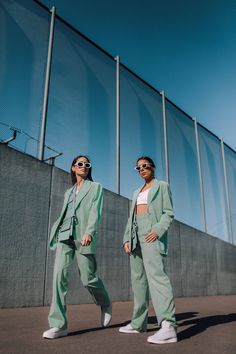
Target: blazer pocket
66, 230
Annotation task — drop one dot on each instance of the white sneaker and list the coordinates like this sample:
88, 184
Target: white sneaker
128, 329
167, 334
106, 312
55, 332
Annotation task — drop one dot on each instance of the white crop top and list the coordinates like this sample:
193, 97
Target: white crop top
143, 197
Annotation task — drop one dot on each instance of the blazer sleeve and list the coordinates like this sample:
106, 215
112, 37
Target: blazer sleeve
95, 212
126, 237
167, 211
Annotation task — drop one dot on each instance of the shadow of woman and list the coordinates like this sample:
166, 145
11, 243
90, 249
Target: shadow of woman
95, 329
199, 325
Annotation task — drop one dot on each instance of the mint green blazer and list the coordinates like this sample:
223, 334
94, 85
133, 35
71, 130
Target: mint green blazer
161, 212
88, 211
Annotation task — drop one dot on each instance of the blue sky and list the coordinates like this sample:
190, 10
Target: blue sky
186, 48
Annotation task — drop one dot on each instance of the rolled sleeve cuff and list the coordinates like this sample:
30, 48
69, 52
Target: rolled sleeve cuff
160, 230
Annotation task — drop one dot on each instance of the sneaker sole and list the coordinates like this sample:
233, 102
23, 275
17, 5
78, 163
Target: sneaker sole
129, 332
171, 340
59, 335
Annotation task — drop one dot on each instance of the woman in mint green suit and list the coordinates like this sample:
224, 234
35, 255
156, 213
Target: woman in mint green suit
145, 241
74, 234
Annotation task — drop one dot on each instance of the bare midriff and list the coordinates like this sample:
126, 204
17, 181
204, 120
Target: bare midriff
141, 209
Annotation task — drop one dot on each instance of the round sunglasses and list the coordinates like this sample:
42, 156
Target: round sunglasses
144, 165
83, 164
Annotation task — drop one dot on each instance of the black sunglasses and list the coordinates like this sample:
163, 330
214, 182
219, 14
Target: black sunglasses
83, 164
144, 165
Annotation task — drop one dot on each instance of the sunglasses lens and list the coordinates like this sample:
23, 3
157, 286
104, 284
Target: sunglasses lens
87, 165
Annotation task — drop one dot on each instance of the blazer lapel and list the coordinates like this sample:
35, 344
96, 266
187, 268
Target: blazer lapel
83, 191
68, 192
153, 190
134, 200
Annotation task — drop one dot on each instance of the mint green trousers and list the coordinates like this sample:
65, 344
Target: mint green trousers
148, 274
87, 269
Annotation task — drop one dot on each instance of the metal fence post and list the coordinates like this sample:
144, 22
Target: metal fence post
117, 58
46, 86
165, 136
200, 175
229, 219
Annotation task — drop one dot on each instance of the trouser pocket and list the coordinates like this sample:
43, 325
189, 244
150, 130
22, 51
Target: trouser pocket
144, 226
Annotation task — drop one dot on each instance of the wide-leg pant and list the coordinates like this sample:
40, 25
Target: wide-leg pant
87, 269
147, 273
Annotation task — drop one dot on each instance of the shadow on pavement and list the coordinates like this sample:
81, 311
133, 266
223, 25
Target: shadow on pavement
95, 329
199, 325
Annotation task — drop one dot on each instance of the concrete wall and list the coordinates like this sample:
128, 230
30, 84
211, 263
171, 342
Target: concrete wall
24, 198
31, 195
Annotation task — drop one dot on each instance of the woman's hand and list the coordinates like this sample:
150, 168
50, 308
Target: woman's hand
86, 240
151, 237
126, 247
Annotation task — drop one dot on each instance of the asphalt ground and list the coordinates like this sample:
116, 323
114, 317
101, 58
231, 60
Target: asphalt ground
206, 325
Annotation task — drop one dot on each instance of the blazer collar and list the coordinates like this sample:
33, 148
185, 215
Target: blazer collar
136, 193
83, 191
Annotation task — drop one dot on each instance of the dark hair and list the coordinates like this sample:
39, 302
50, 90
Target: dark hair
148, 159
72, 174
